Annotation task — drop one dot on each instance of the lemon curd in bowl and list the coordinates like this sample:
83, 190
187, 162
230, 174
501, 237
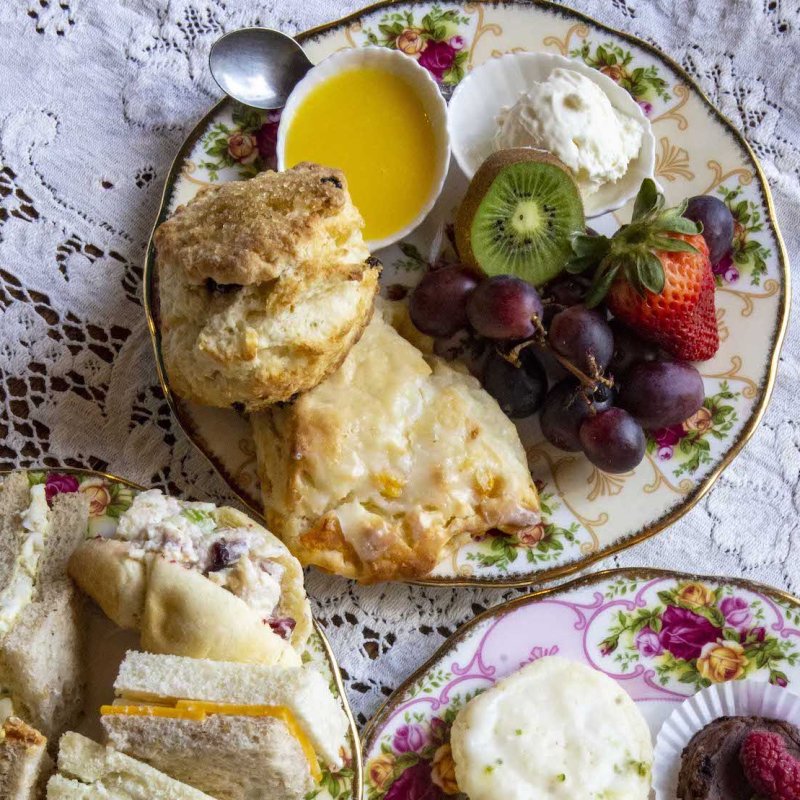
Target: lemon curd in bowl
379, 117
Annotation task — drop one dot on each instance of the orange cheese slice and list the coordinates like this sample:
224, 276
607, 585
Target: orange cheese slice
197, 710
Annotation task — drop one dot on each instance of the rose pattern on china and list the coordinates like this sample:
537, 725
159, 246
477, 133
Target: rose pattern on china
674, 635
688, 444
59, 483
247, 145
416, 761
107, 498
644, 84
538, 544
748, 255
436, 40
696, 634
410, 739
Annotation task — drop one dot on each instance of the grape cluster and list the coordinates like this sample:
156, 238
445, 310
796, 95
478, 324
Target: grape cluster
596, 384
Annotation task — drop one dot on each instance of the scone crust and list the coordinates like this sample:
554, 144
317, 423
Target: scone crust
263, 287
245, 232
407, 497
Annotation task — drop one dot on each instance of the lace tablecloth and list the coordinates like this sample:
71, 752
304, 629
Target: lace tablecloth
96, 100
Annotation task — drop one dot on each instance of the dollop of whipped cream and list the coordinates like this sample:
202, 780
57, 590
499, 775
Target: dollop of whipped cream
571, 116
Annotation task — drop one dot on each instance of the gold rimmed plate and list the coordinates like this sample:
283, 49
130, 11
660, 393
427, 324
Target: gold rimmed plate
110, 496
588, 514
661, 635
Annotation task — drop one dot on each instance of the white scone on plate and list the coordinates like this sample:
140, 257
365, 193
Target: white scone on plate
198, 580
42, 629
264, 285
235, 731
392, 459
554, 730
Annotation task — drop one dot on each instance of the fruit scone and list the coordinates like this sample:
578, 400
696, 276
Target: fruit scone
393, 459
198, 580
263, 287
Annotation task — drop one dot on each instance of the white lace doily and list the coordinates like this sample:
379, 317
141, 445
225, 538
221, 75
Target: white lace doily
96, 99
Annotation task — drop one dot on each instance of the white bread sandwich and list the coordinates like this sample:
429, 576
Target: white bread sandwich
24, 763
90, 771
41, 613
235, 731
199, 581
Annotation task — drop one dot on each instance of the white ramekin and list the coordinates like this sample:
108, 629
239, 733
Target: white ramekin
733, 699
427, 89
499, 82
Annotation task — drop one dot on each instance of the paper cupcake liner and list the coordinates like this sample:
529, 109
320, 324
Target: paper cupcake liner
735, 699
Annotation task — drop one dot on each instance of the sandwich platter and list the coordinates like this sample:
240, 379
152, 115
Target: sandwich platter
657, 633
587, 514
109, 497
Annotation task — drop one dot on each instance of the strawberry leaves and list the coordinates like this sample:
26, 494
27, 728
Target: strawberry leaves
633, 250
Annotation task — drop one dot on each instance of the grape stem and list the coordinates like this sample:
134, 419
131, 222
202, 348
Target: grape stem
589, 382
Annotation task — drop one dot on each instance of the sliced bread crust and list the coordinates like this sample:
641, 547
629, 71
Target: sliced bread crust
24, 763
301, 689
41, 657
91, 770
228, 757
15, 497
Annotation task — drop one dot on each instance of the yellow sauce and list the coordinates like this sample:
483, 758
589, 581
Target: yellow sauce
372, 125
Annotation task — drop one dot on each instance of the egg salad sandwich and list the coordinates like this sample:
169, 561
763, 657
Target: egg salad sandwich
89, 771
41, 628
198, 580
24, 763
235, 731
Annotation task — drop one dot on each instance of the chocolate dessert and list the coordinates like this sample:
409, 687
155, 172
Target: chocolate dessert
710, 767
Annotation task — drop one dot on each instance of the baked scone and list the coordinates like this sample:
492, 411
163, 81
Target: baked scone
389, 461
199, 581
264, 286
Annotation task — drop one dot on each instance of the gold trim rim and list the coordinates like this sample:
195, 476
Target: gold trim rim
358, 777
644, 573
703, 487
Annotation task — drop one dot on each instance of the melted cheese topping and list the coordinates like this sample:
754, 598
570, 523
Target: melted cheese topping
198, 710
554, 730
400, 448
19, 590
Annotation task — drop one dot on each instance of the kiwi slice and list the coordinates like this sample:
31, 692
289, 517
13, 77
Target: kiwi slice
518, 215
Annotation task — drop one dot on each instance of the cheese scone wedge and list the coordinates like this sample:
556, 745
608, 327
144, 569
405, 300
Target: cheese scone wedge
391, 460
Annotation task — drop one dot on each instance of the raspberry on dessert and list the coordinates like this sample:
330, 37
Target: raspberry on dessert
770, 769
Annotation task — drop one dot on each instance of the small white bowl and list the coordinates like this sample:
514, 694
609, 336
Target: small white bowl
397, 63
499, 82
733, 699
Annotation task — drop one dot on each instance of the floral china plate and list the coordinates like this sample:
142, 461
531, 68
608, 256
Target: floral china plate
662, 635
587, 514
109, 497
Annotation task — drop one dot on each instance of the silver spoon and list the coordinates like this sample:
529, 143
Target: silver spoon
258, 66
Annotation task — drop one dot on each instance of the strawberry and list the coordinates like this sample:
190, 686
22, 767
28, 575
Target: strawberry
655, 276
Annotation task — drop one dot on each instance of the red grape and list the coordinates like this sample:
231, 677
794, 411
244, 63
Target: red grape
612, 440
502, 307
565, 408
518, 390
582, 336
717, 223
661, 393
438, 304
629, 349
